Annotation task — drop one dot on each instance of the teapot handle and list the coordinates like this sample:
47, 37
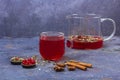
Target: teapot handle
114, 27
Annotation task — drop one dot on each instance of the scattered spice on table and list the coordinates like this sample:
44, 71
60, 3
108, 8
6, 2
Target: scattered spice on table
72, 65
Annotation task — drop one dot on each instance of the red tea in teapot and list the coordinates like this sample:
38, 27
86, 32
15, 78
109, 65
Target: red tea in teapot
85, 42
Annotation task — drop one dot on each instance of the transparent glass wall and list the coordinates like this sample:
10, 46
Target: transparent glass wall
27, 18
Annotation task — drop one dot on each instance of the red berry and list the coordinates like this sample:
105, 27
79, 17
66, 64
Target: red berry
32, 62
29, 59
24, 61
28, 63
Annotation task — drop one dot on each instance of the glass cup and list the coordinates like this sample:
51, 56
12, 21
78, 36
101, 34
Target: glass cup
85, 32
52, 45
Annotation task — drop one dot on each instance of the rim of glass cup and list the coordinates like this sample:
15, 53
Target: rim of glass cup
52, 33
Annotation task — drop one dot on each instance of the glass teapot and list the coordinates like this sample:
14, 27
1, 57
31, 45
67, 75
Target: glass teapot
84, 32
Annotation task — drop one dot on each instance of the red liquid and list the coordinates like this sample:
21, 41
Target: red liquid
85, 42
52, 47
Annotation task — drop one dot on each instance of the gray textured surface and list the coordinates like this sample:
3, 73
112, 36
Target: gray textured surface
26, 18
106, 61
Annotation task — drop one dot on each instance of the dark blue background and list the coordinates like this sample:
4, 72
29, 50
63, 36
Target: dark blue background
27, 18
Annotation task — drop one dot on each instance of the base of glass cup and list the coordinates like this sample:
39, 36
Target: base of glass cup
52, 59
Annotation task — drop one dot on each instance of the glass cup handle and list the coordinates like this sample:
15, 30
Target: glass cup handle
114, 27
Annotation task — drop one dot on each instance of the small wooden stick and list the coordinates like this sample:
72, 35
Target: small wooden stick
82, 63
76, 65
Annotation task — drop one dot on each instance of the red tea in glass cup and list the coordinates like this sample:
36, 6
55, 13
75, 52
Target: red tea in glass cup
52, 45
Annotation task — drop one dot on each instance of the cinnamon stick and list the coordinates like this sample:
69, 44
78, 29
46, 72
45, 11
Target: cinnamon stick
76, 65
82, 63
71, 68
